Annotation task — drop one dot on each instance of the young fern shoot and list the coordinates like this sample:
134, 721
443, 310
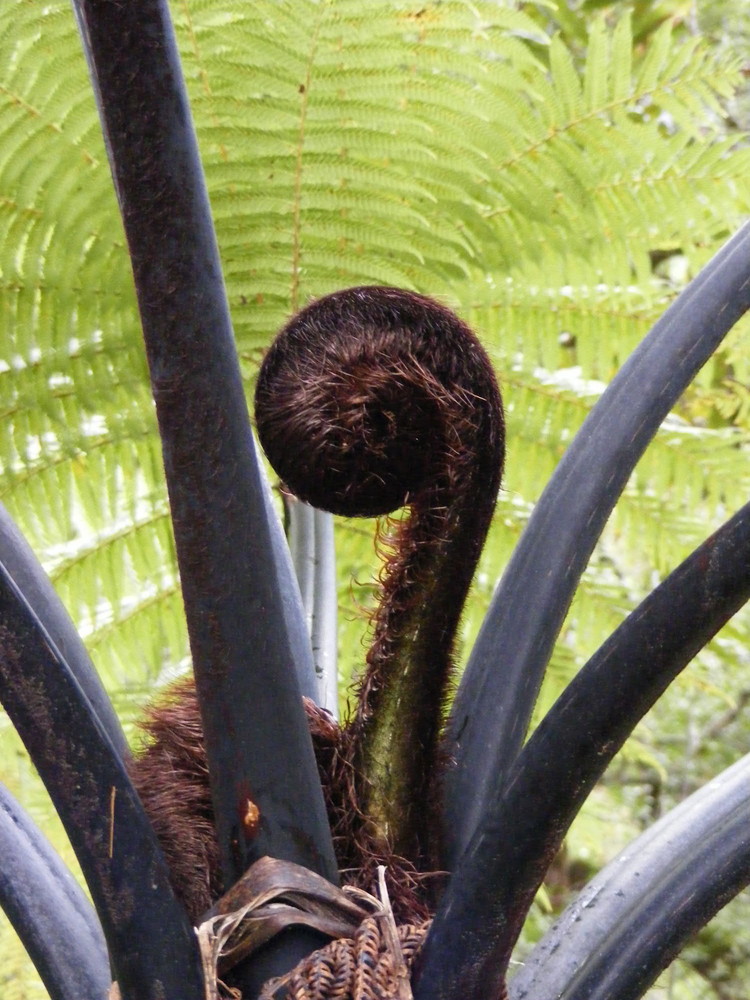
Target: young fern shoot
371, 399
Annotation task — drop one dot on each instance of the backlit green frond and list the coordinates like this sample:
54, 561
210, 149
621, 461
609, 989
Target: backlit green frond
450, 147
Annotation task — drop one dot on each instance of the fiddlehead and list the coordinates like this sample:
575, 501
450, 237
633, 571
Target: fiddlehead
371, 399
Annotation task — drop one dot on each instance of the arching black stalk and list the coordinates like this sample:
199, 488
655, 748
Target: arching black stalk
251, 655
614, 940
526, 818
246, 635
30, 578
49, 911
151, 945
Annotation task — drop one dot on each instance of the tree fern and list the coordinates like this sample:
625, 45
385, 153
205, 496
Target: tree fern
460, 149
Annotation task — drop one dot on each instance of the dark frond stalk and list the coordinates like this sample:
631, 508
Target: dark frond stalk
370, 399
48, 910
29, 576
151, 944
251, 654
246, 630
526, 818
637, 914
491, 712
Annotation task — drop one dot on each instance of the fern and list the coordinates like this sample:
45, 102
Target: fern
462, 149
427, 146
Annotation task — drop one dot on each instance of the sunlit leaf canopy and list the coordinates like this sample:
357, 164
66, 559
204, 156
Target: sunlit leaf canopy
452, 148
464, 150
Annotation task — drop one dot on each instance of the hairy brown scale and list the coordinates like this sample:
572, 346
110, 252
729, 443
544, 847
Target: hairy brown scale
369, 399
